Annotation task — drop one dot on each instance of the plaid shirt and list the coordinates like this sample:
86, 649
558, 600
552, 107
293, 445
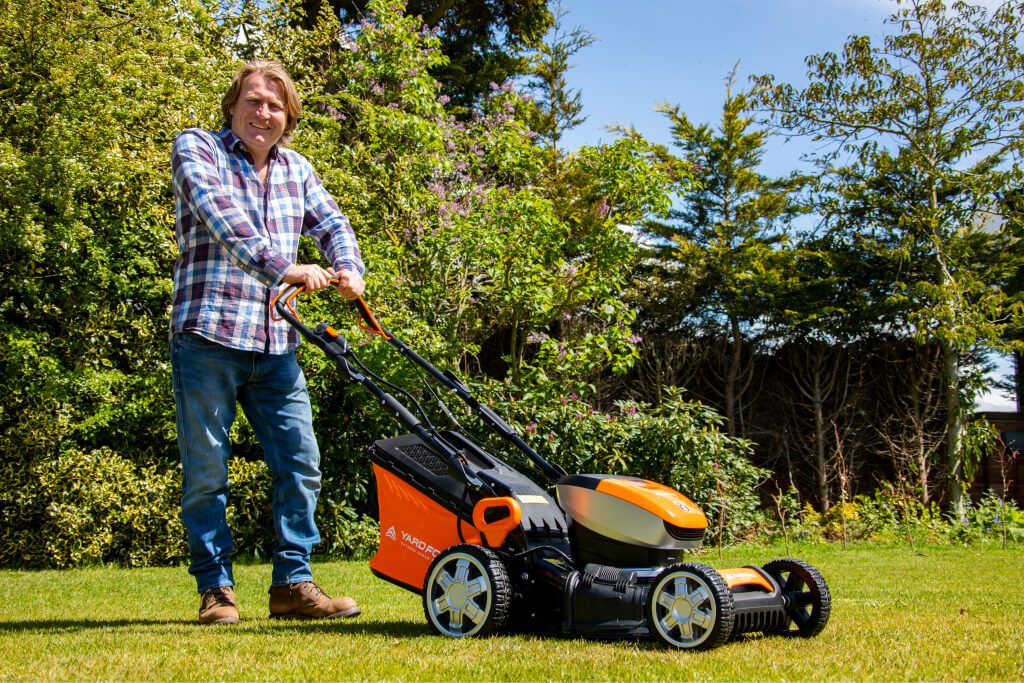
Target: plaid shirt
237, 237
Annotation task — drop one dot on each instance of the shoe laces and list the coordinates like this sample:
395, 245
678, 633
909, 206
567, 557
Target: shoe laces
217, 596
318, 590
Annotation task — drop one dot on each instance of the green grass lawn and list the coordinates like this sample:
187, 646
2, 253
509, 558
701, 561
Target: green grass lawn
940, 613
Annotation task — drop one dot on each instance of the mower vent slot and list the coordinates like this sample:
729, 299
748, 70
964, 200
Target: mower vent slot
425, 458
766, 622
683, 534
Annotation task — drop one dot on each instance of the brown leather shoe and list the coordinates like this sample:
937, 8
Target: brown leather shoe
218, 606
307, 600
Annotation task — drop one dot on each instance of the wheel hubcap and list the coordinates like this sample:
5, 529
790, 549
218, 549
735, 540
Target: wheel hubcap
460, 596
686, 610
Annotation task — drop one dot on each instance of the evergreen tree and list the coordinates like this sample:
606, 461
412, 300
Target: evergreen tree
925, 133
723, 263
559, 107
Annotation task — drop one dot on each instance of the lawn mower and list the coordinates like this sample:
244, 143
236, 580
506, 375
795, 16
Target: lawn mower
490, 550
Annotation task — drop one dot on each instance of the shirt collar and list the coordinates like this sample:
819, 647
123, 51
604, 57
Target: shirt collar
233, 143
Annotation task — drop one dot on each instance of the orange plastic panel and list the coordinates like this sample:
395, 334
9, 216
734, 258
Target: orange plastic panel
658, 499
413, 530
496, 531
745, 576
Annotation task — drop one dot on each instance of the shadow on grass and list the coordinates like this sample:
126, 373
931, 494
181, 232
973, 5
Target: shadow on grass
259, 627
272, 633
272, 629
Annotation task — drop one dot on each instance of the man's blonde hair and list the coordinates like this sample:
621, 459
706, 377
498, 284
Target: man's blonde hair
275, 72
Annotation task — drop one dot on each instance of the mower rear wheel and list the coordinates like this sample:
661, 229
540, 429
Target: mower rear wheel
467, 592
808, 601
690, 607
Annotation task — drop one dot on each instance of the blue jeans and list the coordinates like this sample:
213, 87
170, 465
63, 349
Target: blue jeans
208, 381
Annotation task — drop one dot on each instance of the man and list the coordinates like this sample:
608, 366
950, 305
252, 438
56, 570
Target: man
241, 202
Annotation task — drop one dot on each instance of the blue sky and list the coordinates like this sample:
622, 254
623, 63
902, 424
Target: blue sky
680, 52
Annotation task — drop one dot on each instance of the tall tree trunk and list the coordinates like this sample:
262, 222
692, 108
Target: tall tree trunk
954, 432
922, 465
1018, 367
951, 374
820, 458
732, 377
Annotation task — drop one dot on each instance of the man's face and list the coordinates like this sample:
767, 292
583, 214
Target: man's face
259, 117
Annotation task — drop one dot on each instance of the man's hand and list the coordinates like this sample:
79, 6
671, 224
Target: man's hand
309, 274
350, 284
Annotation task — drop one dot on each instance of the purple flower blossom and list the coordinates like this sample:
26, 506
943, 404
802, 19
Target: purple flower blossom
443, 99
334, 113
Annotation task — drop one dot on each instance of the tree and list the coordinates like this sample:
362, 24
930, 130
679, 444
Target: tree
723, 260
470, 259
925, 133
559, 107
483, 40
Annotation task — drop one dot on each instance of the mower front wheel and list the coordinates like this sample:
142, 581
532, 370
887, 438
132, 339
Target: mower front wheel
807, 599
690, 607
467, 592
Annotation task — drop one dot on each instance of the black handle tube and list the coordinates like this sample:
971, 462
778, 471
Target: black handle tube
490, 418
337, 348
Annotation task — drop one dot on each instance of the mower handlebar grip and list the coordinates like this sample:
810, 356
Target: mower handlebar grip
283, 306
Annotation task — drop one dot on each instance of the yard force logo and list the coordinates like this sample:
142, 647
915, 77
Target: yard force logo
683, 506
412, 543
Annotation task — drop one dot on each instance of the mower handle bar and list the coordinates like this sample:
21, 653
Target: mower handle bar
338, 348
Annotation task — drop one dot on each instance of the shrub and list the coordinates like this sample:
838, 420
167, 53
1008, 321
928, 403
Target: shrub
100, 507
888, 516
